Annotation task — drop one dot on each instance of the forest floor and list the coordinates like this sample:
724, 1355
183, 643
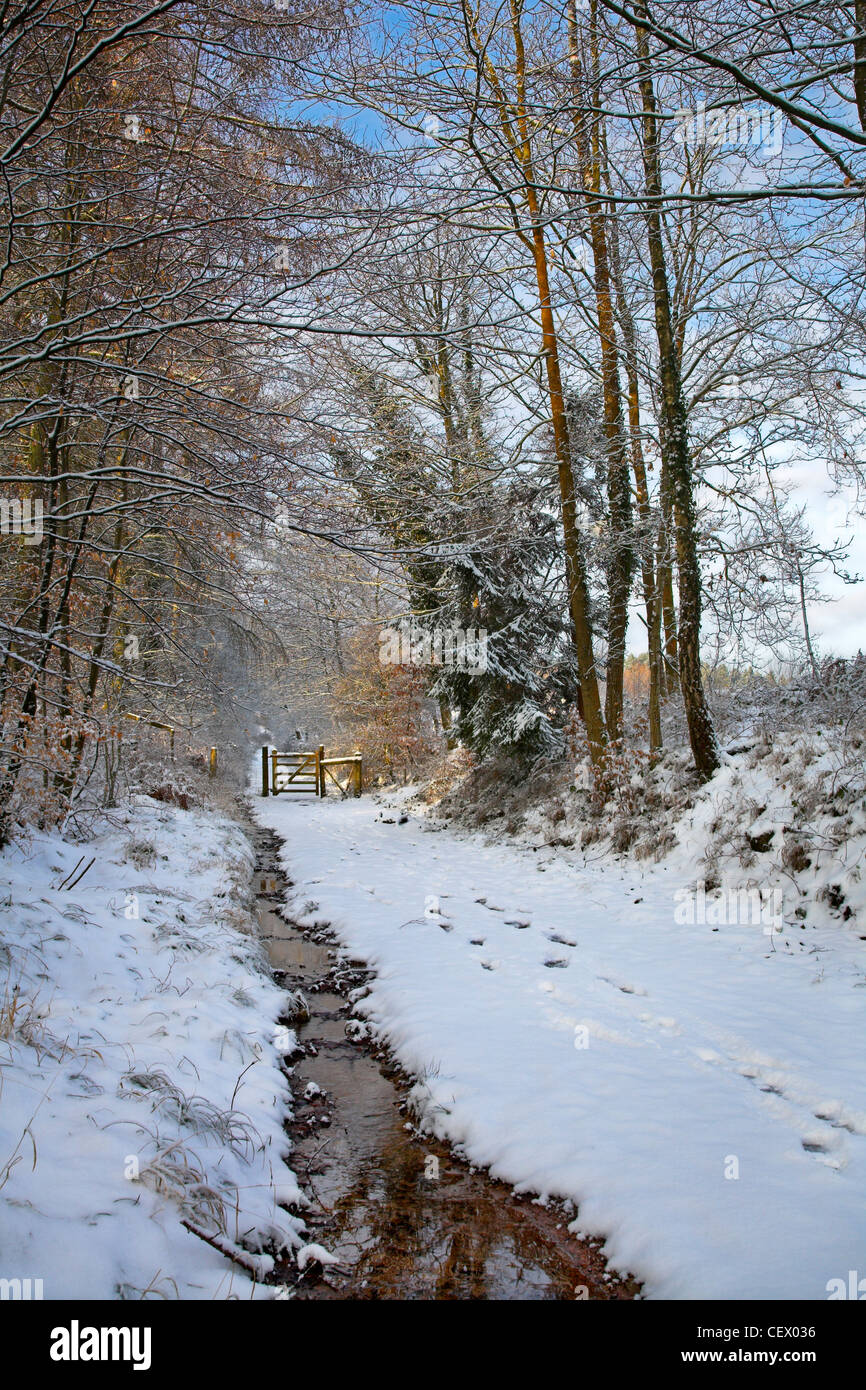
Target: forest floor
479, 1063
695, 1090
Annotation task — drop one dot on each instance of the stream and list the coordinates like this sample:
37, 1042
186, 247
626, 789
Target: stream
405, 1218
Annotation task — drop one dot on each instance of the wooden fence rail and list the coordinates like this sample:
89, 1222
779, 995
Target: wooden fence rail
307, 772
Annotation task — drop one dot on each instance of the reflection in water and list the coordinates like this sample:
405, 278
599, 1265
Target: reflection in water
405, 1218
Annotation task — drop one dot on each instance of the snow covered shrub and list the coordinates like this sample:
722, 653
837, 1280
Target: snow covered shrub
837, 688
751, 707
141, 852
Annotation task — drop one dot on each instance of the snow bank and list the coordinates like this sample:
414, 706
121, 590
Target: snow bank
139, 1064
784, 815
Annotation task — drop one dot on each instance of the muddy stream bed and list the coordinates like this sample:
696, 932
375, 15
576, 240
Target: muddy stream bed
404, 1216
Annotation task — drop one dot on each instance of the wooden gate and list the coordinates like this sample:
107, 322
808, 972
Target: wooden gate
307, 772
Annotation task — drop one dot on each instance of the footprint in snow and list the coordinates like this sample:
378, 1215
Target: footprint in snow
623, 987
833, 1116
556, 964
560, 940
520, 922
652, 1021
827, 1151
477, 941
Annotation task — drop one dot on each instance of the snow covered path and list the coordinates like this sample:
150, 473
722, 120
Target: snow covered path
699, 1093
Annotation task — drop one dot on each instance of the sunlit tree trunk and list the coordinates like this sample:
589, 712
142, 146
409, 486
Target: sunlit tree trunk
620, 562
578, 587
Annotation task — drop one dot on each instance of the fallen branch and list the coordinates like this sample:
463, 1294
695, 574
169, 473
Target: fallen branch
256, 1265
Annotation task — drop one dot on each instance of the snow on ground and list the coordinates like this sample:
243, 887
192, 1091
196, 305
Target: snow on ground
697, 1089
139, 1063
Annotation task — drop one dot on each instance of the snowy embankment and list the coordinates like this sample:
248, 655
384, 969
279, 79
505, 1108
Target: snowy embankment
697, 1089
139, 1064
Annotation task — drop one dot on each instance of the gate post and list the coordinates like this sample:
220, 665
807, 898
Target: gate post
265, 771
320, 771
357, 774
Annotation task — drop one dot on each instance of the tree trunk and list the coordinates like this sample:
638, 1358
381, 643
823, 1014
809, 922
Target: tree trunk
674, 441
620, 561
578, 587
652, 596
